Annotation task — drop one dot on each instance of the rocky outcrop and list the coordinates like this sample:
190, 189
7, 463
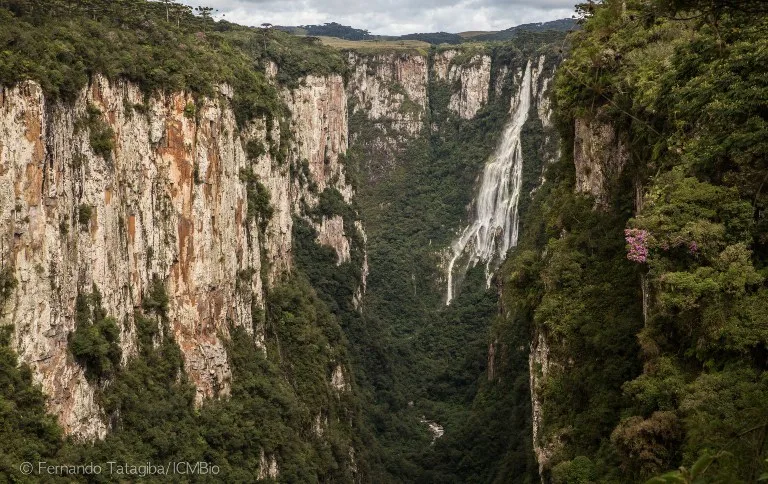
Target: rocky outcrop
539, 368
599, 156
472, 81
331, 233
319, 126
165, 201
339, 380
391, 89
357, 299
268, 468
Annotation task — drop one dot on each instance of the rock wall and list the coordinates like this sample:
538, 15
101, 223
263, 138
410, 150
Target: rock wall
599, 156
539, 367
472, 79
391, 89
320, 129
168, 202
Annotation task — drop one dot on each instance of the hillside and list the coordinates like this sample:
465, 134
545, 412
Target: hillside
335, 30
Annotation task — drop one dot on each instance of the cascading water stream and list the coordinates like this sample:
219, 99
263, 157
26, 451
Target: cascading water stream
494, 227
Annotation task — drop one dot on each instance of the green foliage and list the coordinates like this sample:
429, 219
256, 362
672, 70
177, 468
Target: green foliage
95, 342
434, 38
680, 92
100, 134
561, 25
84, 214
580, 470
331, 202
7, 284
689, 476
296, 57
570, 280
333, 29
190, 110
272, 406
254, 149
159, 47
27, 432
259, 207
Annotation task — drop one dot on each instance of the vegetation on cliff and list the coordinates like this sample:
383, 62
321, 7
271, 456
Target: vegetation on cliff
162, 47
293, 400
28, 433
637, 390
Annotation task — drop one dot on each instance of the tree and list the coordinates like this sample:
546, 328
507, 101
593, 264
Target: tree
205, 12
180, 11
167, 9
265, 31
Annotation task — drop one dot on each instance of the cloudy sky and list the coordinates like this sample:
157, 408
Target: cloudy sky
394, 17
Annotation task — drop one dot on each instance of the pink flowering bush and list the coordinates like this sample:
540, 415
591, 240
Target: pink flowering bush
637, 244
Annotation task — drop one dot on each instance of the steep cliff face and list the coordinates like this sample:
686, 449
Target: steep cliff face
166, 200
599, 156
545, 445
319, 127
391, 89
472, 79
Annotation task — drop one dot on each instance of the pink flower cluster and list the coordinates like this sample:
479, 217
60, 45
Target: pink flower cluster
637, 240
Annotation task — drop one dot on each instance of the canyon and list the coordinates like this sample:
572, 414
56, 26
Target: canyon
528, 256
169, 201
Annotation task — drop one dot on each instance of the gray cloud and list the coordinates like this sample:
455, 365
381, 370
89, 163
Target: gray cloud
394, 17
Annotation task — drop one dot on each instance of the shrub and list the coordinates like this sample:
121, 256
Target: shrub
95, 342
190, 110
84, 213
254, 149
259, 207
100, 134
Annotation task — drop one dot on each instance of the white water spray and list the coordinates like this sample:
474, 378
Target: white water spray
494, 227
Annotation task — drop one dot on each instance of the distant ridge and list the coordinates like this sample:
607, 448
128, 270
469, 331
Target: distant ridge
562, 25
333, 29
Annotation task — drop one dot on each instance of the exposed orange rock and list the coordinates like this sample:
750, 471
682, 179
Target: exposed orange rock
33, 184
239, 215
131, 229
186, 249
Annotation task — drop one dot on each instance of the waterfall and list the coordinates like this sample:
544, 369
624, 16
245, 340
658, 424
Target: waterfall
495, 223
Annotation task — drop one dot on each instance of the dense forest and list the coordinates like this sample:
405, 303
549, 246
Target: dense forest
647, 296
330, 29
653, 300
